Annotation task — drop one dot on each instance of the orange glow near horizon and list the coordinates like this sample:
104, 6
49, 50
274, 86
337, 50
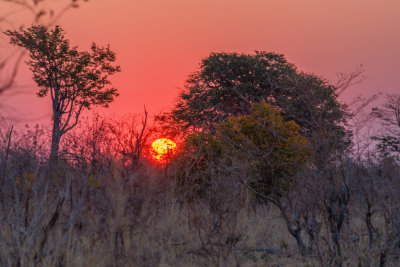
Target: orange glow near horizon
162, 149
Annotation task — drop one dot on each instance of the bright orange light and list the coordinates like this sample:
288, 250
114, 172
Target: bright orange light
162, 148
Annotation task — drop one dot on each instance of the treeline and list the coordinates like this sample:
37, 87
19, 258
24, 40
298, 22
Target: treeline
266, 174
212, 204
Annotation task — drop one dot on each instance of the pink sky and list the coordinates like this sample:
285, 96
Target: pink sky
160, 42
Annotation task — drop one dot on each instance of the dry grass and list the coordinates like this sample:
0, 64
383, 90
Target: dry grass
116, 215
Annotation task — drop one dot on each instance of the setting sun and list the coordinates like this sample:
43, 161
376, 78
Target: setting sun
162, 148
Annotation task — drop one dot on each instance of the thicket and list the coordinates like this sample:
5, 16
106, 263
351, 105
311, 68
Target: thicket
100, 207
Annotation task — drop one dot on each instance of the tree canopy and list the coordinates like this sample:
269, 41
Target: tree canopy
226, 84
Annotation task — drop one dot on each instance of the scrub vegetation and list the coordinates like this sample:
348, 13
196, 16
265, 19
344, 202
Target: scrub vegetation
249, 195
268, 169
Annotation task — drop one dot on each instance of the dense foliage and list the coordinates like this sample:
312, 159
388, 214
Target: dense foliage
261, 144
274, 149
228, 83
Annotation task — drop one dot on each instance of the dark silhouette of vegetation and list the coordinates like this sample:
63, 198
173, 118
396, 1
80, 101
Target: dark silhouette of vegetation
228, 83
75, 80
389, 137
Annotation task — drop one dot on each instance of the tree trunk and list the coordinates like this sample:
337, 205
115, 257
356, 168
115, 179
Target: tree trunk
370, 227
56, 137
294, 231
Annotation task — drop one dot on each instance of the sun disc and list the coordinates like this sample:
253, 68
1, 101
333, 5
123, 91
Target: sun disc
162, 149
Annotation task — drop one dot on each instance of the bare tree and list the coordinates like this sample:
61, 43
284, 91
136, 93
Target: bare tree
130, 134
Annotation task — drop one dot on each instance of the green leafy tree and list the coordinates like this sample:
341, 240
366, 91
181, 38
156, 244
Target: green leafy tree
75, 80
273, 148
261, 148
227, 84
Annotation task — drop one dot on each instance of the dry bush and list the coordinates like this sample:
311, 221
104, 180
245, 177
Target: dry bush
110, 214
97, 140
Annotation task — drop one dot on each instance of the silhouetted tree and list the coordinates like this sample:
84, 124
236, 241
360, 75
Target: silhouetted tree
228, 83
76, 80
389, 137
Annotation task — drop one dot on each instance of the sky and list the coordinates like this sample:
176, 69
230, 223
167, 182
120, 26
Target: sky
160, 42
